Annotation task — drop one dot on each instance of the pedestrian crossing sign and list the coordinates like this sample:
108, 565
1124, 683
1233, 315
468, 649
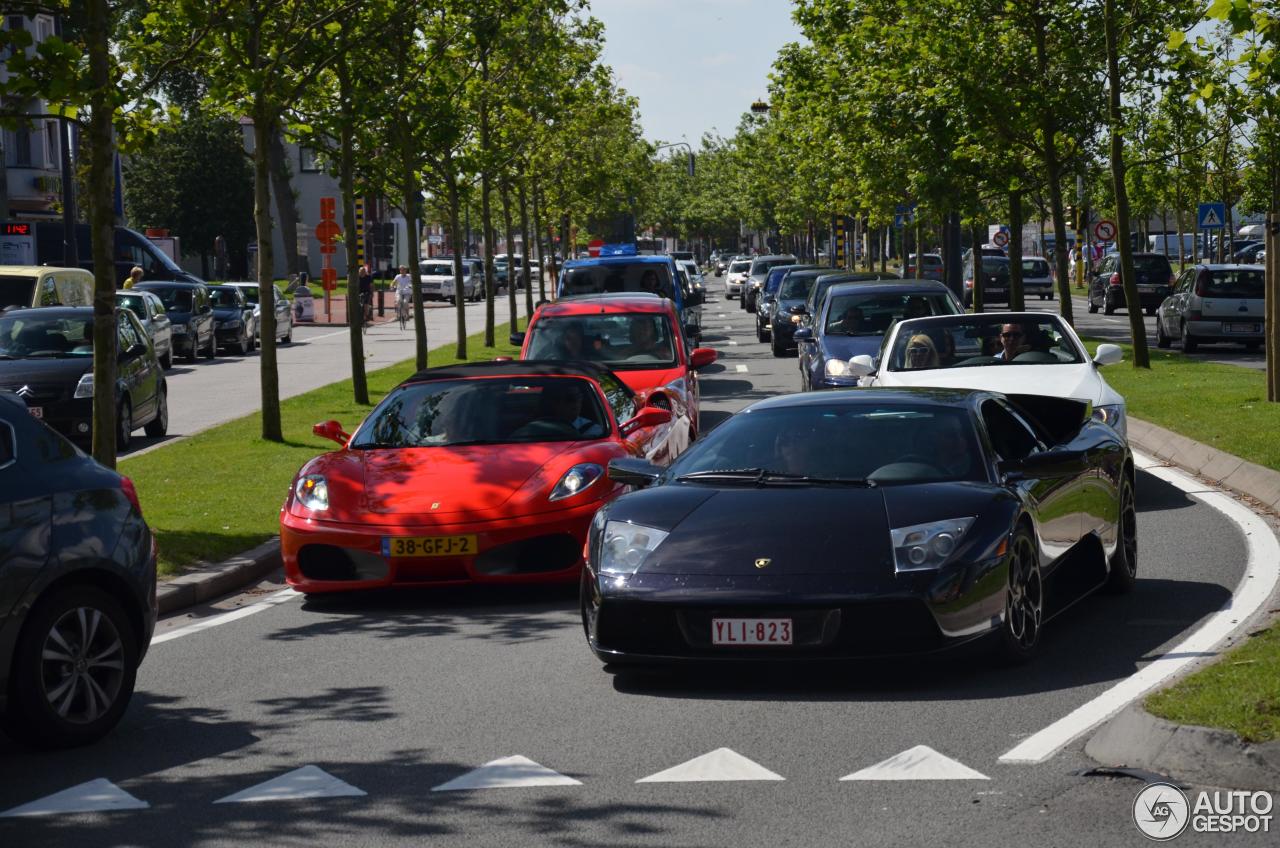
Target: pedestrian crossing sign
1212, 216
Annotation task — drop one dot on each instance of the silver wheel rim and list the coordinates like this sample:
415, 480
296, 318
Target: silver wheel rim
1024, 603
82, 665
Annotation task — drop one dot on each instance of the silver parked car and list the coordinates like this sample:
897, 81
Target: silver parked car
1037, 277
1214, 303
284, 313
151, 314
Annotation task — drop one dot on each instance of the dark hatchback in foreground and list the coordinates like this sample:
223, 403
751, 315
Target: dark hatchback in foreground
868, 522
77, 586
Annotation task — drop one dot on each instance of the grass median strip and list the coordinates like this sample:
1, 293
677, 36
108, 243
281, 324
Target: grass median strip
219, 492
1224, 406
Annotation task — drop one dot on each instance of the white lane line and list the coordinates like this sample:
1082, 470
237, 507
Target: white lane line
342, 332
226, 618
728, 326
732, 342
741, 369
1260, 577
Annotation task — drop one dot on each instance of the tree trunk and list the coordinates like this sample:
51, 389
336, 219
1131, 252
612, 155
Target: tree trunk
102, 222
543, 264
975, 233
286, 205
1164, 225
1053, 173
455, 204
346, 178
919, 250
1272, 303
510, 236
1137, 326
525, 248
1182, 250
411, 192
264, 118
1017, 298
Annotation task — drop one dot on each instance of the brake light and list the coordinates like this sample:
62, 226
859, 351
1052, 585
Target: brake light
1115, 279
131, 492
968, 284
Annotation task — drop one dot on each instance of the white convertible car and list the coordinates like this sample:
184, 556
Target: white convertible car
1018, 353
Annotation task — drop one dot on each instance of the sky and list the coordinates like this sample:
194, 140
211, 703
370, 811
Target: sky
695, 65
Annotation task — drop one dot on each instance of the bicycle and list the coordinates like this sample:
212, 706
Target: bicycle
402, 311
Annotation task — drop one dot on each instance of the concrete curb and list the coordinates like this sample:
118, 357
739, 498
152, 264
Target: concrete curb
1202, 755
214, 580
1199, 755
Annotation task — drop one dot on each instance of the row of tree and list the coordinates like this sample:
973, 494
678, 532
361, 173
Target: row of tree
503, 104
986, 110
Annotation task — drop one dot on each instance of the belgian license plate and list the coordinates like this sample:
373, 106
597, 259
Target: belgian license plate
751, 631
1242, 328
428, 546
36, 411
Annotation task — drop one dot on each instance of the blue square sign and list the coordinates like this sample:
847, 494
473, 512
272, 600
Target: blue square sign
1212, 216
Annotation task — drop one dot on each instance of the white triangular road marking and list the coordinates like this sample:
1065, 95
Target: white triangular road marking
507, 773
305, 782
918, 763
720, 764
99, 795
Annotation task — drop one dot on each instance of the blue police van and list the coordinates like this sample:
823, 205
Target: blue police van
619, 268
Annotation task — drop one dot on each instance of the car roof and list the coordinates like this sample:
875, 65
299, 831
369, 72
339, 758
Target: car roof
772, 256
644, 258
1230, 266
914, 395
58, 311
874, 286
177, 284
512, 368
596, 304
862, 276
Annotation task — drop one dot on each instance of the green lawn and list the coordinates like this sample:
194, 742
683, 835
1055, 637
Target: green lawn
1220, 405
219, 492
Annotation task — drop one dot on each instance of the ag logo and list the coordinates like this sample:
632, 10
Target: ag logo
1161, 811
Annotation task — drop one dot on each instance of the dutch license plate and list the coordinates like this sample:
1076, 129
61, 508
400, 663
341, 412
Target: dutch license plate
1242, 328
36, 411
751, 631
428, 546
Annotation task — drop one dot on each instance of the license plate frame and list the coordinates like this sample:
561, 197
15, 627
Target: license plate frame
1240, 328
419, 547
752, 632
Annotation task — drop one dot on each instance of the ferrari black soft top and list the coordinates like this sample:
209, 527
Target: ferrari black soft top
512, 368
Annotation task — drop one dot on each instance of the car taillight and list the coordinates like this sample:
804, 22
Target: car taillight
130, 492
968, 284
1195, 315
1115, 279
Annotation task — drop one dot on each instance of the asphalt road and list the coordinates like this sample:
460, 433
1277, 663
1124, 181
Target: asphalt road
210, 392
398, 694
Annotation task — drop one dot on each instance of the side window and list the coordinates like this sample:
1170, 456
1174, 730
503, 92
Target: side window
619, 398
155, 306
1010, 436
128, 333
8, 445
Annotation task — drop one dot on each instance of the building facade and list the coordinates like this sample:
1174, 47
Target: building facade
33, 151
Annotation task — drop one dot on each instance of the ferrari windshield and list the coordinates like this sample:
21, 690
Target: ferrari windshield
966, 341
874, 314
841, 442
620, 341
490, 410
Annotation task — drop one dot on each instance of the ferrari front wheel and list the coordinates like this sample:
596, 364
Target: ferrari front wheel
1024, 601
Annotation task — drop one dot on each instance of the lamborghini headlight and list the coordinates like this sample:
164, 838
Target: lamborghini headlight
576, 479
922, 547
626, 546
1112, 414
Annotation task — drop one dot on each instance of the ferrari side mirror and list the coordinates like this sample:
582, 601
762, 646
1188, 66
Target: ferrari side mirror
332, 431
649, 416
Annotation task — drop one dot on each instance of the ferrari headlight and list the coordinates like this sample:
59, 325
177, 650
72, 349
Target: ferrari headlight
1112, 414
84, 388
312, 491
837, 368
626, 546
922, 547
576, 479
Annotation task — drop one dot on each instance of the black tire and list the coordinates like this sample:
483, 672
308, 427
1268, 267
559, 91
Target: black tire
124, 425
36, 679
1123, 565
159, 425
1108, 308
1093, 307
1151, 310
1049, 296
213, 347
166, 361
1162, 341
761, 334
192, 352
1018, 638
777, 349
1252, 347
287, 338
1189, 343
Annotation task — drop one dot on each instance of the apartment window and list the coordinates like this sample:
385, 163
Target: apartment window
22, 146
308, 161
51, 144
44, 28
13, 23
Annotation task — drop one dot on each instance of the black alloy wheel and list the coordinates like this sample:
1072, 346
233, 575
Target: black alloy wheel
1123, 564
1093, 307
124, 425
74, 669
776, 348
159, 425
1024, 601
192, 352
1189, 342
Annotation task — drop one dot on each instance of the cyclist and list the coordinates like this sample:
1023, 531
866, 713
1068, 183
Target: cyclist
404, 294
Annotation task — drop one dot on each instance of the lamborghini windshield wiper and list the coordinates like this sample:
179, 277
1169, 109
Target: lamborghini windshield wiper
812, 480
726, 475
765, 477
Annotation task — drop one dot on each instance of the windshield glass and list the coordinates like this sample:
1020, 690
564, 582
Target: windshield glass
26, 335
16, 291
653, 277
174, 300
995, 265
438, 269
490, 410
134, 303
796, 287
974, 340
1239, 283
250, 293
224, 297
619, 341
874, 314
739, 267
888, 443
1152, 263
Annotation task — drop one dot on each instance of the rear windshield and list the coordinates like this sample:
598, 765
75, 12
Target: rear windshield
762, 265
1241, 283
438, 270
993, 265
652, 277
1035, 268
174, 300
1152, 264
739, 267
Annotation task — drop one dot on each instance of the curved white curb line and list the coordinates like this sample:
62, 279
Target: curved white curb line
1261, 574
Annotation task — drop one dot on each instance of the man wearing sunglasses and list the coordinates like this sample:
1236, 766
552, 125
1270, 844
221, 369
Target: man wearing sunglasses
1015, 339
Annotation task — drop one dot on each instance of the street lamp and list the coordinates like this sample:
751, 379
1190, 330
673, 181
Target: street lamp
688, 152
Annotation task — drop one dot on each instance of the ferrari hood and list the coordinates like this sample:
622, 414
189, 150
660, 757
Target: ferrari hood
440, 481
1080, 382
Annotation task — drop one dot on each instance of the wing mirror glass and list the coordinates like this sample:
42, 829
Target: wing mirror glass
703, 356
804, 334
633, 472
862, 365
1108, 354
649, 416
516, 339
332, 431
